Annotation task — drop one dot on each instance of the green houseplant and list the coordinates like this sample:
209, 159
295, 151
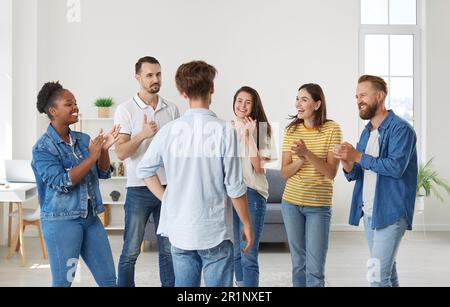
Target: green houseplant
103, 104
428, 182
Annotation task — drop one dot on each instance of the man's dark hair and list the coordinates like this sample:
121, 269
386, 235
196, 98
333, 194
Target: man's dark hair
147, 59
195, 79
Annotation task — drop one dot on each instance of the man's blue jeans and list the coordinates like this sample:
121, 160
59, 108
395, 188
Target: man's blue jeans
216, 264
66, 240
383, 246
246, 266
308, 231
140, 203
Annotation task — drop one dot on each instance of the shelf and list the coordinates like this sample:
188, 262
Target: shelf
114, 203
95, 119
115, 178
115, 227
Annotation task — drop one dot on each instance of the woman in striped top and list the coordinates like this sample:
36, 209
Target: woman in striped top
309, 167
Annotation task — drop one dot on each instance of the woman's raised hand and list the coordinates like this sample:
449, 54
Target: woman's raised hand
249, 125
95, 147
111, 137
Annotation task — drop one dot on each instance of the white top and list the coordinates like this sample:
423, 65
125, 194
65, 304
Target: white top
370, 177
200, 153
253, 180
130, 116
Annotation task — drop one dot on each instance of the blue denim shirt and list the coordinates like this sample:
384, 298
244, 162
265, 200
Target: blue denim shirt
396, 166
52, 161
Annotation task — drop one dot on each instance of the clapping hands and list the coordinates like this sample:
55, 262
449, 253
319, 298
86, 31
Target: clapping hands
347, 153
299, 148
246, 126
111, 137
103, 142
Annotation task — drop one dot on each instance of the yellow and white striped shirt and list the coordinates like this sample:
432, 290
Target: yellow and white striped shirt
308, 187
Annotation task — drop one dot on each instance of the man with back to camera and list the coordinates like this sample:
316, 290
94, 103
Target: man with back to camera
200, 153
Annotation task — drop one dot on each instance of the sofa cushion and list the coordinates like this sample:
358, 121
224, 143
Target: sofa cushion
276, 185
273, 214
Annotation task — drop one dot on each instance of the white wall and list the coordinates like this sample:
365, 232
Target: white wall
438, 105
5, 95
23, 88
273, 46
24, 76
5, 82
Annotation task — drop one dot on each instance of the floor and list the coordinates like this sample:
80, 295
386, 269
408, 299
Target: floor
423, 261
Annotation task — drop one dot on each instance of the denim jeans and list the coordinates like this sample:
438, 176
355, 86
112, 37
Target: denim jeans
308, 230
383, 246
216, 264
140, 203
66, 240
246, 267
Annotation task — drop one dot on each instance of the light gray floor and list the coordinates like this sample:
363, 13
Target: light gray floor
421, 262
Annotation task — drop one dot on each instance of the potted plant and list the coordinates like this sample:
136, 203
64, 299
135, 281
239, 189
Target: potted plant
103, 105
428, 181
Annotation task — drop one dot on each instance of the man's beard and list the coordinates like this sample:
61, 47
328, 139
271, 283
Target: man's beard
369, 112
154, 89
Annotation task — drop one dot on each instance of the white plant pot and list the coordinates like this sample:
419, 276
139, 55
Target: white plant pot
420, 204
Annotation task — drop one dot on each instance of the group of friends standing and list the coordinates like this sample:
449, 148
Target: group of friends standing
203, 182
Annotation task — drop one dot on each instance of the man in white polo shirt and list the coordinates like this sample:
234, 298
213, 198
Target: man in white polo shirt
140, 119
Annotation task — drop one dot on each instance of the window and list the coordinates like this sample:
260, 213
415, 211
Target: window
390, 48
389, 12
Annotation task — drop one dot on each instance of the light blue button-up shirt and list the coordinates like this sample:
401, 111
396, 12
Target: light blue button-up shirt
203, 168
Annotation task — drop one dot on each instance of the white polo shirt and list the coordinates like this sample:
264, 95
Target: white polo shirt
130, 116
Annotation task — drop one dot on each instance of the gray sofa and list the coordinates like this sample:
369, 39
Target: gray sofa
273, 231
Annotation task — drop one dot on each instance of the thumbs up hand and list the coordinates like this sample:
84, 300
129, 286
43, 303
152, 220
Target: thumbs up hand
149, 129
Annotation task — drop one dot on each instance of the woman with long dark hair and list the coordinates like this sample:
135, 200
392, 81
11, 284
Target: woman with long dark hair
309, 166
256, 148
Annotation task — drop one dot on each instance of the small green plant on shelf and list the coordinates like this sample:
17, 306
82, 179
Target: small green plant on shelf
429, 180
103, 104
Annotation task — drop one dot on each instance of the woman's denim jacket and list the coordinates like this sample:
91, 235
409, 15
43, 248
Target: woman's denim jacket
52, 161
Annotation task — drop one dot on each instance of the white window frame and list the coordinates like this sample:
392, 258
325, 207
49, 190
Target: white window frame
416, 32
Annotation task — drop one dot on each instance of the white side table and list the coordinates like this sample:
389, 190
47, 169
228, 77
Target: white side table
17, 193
